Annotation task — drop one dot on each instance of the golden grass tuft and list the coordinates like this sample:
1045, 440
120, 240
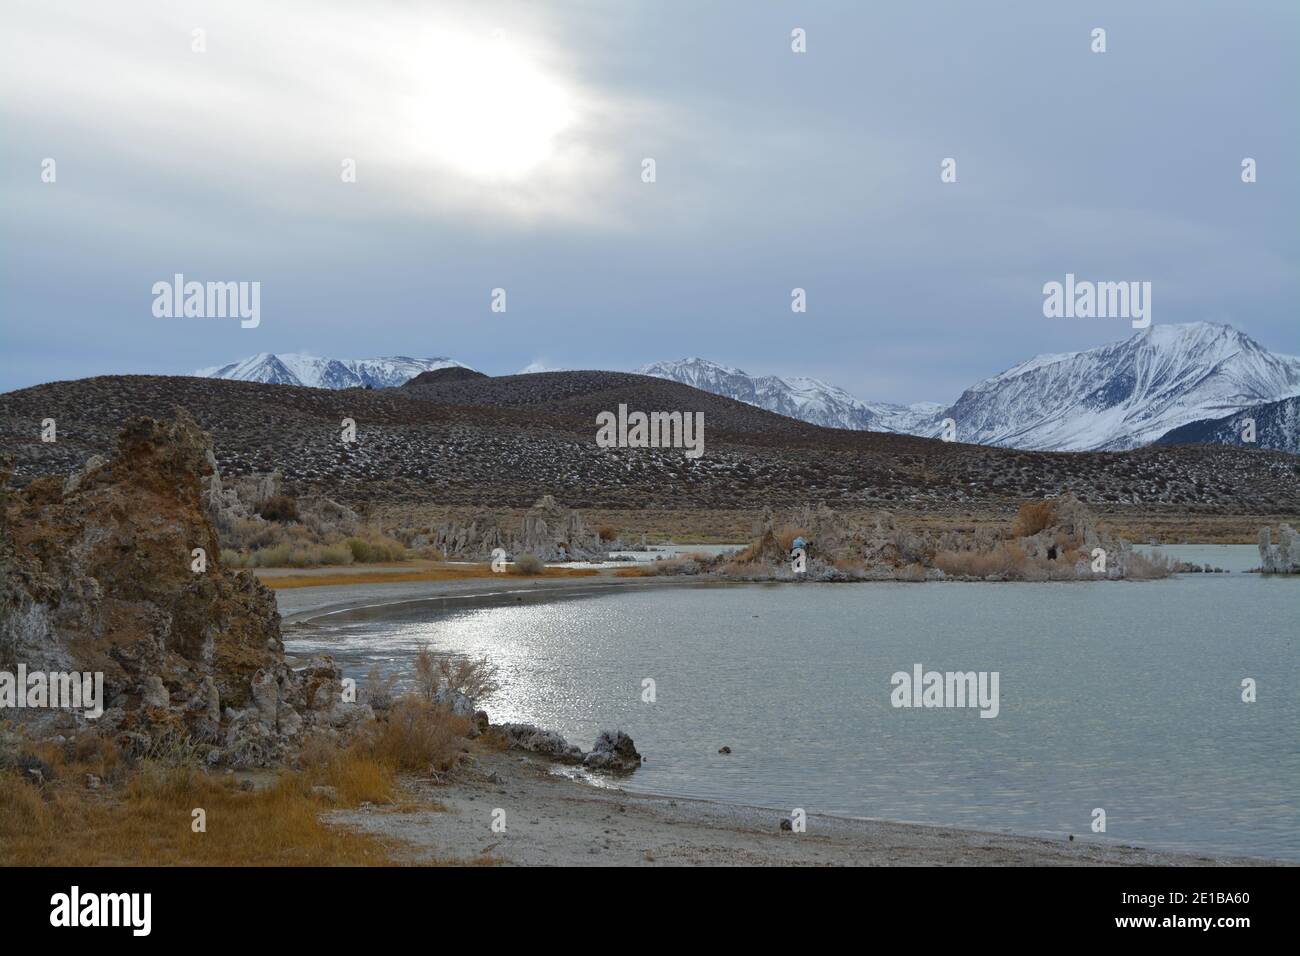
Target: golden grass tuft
149, 823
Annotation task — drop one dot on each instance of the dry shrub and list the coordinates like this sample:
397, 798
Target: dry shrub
786, 535
281, 508
607, 533
1004, 558
416, 735
913, 572
375, 548
1142, 567
476, 678
1034, 516
379, 689
527, 564
276, 545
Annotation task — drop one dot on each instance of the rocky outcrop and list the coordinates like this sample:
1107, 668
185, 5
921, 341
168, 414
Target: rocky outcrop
548, 530
234, 507
537, 740
1282, 557
117, 570
1052, 539
613, 752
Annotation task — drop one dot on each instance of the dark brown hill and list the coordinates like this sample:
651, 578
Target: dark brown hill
452, 373
504, 441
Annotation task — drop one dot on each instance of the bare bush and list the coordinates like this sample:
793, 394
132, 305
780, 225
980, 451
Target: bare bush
1143, 567
476, 678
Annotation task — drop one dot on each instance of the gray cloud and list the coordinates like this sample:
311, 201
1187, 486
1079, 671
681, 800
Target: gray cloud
774, 170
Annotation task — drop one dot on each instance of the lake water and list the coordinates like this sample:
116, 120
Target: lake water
1123, 696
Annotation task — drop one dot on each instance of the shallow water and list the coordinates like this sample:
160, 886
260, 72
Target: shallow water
1124, 696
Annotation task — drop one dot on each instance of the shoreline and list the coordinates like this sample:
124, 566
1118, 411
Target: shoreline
556, 816
301, 605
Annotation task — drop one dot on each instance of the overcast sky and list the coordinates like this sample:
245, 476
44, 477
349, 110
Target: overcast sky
501, 145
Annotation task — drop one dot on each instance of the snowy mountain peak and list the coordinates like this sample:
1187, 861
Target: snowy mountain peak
1119, 395
1127, 393
1115, 396
803, 397
298, 368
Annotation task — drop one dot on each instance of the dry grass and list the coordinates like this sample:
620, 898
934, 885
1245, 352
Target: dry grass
145, 816
1005, 558
372, 575
149, 822
278, 545
653, 569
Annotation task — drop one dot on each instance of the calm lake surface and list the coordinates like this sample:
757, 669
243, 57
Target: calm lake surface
1125, 696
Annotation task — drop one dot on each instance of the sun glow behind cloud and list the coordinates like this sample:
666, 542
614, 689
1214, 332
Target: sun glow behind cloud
483, 108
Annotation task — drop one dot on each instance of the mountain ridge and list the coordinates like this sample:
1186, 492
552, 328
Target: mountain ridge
1114, 396
310, 371
1111, 397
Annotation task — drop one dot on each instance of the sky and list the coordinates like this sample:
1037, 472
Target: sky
502, 145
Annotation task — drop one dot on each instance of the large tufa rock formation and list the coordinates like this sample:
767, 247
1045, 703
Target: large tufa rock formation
548, 530
1282, 557
98, 574
1060, 543
234, 506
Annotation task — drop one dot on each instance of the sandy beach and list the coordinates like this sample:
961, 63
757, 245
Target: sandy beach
553, 819
558, 815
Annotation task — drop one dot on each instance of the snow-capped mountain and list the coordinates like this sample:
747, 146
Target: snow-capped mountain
1114, 396
1126, 393
296, 368
1277, 426
809, 399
